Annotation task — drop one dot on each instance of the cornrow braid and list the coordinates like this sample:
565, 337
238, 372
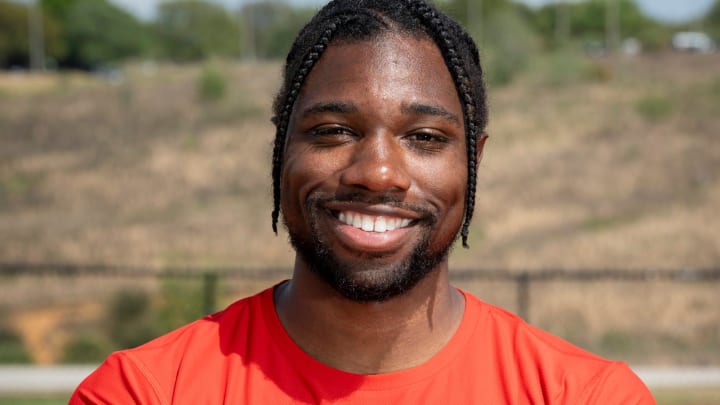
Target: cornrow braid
446, 38
283, 119
358, 20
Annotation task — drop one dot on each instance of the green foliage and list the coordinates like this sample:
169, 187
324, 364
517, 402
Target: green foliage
468, 13
12, 349
654, 37
182, 303
14, 41
711, 22
510, 44
192, 30
99, 33
13, 34
271, 27
568, 66
86, 348
58, 8
618, 343
502, 32
587, 23
132, 319
211, 85
129, 320
654, 107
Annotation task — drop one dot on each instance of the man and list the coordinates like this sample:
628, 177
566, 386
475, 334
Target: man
379, 134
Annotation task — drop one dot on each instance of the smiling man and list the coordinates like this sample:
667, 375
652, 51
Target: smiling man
379, 135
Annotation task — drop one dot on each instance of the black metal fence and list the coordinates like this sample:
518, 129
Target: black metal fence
523, 280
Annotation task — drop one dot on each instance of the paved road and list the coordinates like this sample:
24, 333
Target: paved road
36, 379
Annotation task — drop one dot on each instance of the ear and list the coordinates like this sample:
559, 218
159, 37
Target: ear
479, 148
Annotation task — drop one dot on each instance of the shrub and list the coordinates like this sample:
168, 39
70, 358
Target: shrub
86, 348
508, 44
654, 107
130, 321
618, 343
12, 349
211, 85
181, 303
566, 66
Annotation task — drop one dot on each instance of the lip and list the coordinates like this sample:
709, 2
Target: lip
373, 209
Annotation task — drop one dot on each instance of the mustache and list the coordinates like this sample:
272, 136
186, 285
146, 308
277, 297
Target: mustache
425, 212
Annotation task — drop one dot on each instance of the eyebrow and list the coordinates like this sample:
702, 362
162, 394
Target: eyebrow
427, 109
332, 107
340, 107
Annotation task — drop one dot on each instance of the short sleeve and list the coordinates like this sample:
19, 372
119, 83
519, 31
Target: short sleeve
118, 380
618, 385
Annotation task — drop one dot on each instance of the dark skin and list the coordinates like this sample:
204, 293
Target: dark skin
375, 118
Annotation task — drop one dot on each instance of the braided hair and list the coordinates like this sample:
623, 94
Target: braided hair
363, 20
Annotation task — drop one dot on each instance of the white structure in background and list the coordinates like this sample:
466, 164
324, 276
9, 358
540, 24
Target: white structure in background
693, 41
631, 46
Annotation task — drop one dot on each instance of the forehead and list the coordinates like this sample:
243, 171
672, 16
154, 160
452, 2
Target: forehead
390, 67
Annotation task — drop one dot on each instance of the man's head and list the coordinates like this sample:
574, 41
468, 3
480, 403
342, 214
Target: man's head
379, 125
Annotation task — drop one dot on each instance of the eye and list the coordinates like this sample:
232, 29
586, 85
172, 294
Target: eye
330, 131
331, 135
427, 137
427, 140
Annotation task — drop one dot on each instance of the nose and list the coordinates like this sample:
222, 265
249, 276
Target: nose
377, 164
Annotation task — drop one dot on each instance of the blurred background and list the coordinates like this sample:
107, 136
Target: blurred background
135, 144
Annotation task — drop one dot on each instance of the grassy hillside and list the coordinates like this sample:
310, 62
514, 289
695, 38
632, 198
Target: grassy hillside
591, 164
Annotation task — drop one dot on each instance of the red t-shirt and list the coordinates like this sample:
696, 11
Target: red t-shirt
243, 355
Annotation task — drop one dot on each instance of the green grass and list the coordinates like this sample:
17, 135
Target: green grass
687, 396
654, 107
35, 399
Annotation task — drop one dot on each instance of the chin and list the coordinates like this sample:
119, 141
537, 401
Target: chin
369, 278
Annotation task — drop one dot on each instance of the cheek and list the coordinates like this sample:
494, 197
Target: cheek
446, 183
303, 172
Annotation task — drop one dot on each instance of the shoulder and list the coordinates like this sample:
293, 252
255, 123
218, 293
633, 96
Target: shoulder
150, 371
542, 364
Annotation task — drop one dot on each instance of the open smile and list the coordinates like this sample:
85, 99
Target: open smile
372, 223
377, 232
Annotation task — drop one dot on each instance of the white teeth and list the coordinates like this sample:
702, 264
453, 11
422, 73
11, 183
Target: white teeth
380, 225
356, 220
367, 223
370, 223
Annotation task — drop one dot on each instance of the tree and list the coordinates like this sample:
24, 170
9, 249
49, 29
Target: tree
587, 22
467, 11
502, 31
191, 30
14, 41
711, 22
271, 27
57, 8
98, 32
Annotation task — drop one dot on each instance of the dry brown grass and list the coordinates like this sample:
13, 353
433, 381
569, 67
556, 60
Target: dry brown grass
574, 176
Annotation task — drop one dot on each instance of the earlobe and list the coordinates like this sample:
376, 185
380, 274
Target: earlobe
479, 148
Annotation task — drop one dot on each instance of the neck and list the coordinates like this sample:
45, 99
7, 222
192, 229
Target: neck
369, 337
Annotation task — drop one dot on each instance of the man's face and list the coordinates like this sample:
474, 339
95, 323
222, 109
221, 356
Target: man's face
375, 169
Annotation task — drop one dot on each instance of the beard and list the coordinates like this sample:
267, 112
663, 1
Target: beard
367, 278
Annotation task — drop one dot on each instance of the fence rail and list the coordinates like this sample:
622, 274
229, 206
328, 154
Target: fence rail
210, 276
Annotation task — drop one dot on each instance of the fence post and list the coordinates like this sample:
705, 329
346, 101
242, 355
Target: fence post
210, 281
523, 295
